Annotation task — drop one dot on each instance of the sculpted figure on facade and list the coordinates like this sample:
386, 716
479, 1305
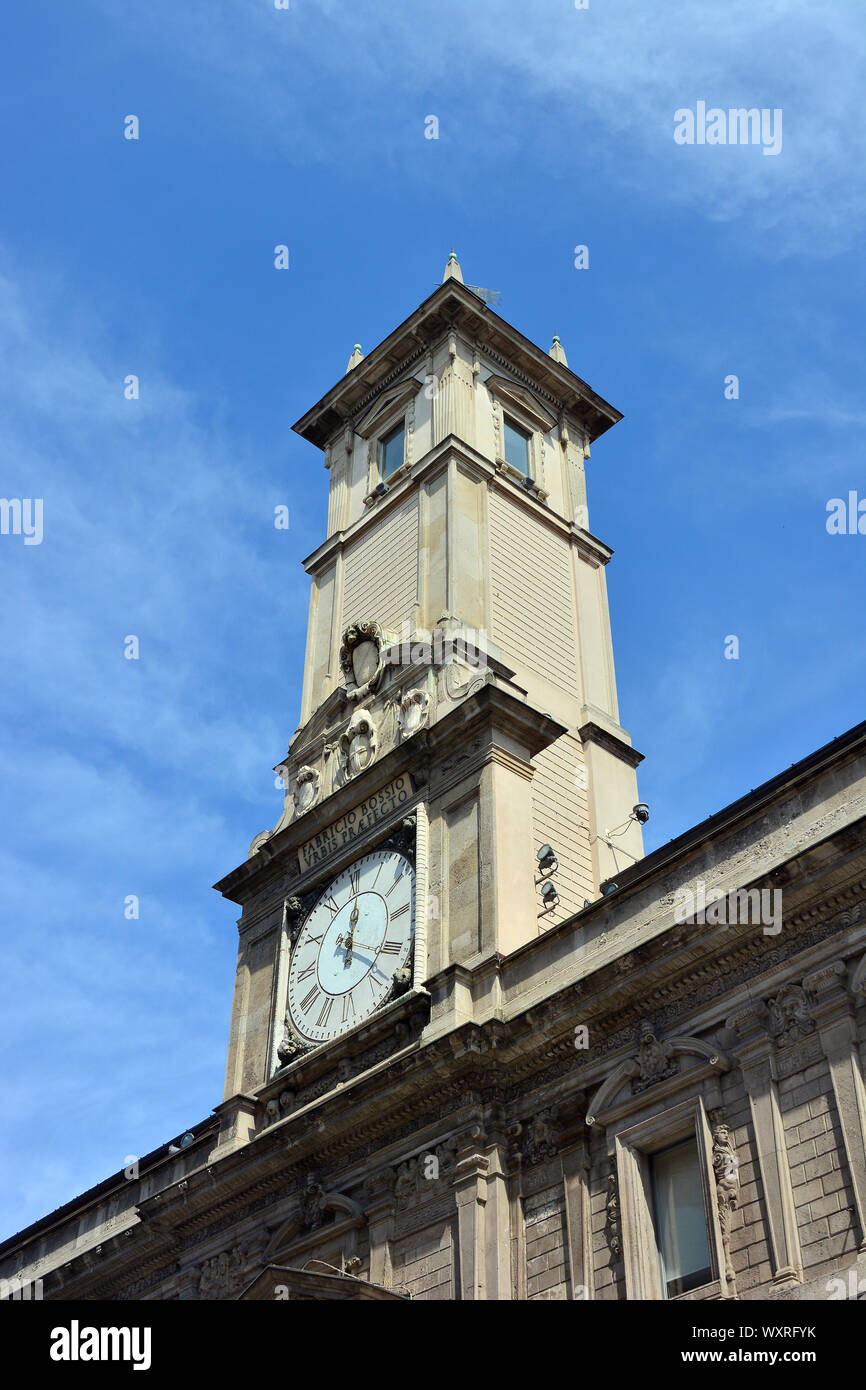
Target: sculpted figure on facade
726, 1169
653, 1059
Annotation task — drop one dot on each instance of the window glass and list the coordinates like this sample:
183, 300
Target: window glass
391, 451
680, 1217
516, 446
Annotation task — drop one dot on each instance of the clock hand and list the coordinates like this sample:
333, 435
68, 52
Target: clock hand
349, 940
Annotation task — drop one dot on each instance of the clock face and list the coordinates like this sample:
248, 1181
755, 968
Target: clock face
354, 941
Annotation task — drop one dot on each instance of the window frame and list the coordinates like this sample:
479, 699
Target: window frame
382, 438
652, 1156
528, 438
634, 1148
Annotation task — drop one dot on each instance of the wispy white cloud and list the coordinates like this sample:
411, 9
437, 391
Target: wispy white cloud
607, 79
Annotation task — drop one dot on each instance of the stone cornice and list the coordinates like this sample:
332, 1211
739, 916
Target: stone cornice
488, 713
426, 468
594, 733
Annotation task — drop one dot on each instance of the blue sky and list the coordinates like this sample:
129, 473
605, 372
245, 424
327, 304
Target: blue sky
155, 257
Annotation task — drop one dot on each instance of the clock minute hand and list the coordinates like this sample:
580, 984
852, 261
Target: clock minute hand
350, 939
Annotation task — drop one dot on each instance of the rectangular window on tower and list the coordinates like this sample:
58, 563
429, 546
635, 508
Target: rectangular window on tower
391, 450
516, 442
680, 1218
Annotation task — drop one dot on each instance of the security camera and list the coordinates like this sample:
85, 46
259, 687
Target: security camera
641, 812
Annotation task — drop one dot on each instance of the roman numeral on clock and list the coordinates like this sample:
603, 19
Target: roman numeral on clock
400, 875
390, 948
332, 907
322, 1020
348, 1008
310, 999
398, 911
355, 881
302, 975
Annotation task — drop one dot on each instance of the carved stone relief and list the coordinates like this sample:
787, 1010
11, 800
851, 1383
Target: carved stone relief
538, 1140
414, 712
654, 1060
356, 747
307, 790
611, 1220
223, 1276
361, 658
790, 1016
726, 1170
426, 1173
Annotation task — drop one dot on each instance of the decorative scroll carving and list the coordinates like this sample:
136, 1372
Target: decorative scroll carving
457, 691
726, 1169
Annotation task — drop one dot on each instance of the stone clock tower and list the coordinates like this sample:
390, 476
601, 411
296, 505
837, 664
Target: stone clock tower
459, 714
482, 1048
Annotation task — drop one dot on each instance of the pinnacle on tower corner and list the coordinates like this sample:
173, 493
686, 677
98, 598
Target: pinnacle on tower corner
357, 356
452, 268
557, 351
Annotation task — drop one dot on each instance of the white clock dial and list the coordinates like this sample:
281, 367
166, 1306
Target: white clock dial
354, 941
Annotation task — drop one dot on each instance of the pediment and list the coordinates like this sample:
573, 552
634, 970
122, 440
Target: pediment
513, 393
389, 401
660, 1066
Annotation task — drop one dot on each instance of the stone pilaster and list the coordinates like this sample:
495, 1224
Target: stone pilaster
757, 1063
575, 1177
470, 1190
380, 1213
833, 1011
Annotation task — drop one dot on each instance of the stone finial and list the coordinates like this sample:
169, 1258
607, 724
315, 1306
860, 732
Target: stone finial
557, 351
452, 269
357, 356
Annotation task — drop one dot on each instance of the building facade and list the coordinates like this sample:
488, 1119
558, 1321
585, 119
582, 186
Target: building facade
480, 1046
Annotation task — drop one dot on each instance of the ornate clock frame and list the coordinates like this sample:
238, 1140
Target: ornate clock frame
402, 839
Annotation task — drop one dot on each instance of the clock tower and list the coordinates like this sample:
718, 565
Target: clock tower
459, 781
481, 1048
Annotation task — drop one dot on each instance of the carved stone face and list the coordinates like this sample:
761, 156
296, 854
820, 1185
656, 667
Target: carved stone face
365, 661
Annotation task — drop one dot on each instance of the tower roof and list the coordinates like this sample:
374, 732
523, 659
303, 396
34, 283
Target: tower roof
452, 305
